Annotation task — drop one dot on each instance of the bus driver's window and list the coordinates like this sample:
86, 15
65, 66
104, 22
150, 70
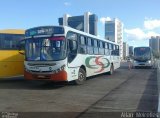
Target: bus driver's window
58, 46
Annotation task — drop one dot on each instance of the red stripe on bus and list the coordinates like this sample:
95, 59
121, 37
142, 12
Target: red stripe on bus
61, 76
56, 38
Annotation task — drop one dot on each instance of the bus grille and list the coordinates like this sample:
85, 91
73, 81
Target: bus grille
41, 71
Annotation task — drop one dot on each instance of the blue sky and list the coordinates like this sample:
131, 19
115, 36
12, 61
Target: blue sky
141, 18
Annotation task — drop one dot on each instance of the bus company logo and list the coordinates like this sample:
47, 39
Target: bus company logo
100, 62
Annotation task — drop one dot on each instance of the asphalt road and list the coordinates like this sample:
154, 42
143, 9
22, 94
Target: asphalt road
126, 90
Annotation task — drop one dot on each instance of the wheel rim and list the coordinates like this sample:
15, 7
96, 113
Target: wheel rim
81, 76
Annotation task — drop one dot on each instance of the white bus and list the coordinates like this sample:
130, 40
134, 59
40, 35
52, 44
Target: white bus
61, 53
143, 57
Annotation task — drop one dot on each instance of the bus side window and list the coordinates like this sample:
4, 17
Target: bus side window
82, 47
117, 50
113, 51
107, 49
89, 46
110, 48
101, 48
95, 43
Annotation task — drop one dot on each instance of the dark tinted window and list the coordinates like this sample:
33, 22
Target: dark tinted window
106, 45
115, 50
82, 47
110, 46
82, 40
95, 43
101, 48
10, 41
101, 44
144, 52
89, 42
72, 46
90, 46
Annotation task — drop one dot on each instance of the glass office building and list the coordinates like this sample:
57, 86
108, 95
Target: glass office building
114, 32
86, 22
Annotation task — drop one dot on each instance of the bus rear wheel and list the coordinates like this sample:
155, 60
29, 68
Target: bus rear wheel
81, 77
111, 70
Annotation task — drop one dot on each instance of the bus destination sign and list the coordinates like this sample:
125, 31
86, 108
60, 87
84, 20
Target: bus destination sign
44, 31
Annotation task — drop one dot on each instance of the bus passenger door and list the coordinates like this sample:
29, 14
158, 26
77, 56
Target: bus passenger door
72, 47
72, 51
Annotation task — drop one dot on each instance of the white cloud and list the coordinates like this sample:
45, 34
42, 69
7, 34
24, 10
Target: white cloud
151, 33
151, 24
103, 19
139, 34
67, 4
136, 33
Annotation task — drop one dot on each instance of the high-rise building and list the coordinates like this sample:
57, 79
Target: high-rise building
130, 51
125, 50
154, 43
114, 32
86, 22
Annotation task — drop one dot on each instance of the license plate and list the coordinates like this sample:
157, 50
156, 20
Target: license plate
41, 76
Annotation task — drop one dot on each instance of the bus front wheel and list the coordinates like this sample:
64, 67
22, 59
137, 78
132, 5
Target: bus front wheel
81, 77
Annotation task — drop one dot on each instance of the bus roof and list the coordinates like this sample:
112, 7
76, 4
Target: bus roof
87, 34
142, 47
12, 31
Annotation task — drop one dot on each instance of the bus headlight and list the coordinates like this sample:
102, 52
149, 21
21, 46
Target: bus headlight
59, 69
63, 67
149, 62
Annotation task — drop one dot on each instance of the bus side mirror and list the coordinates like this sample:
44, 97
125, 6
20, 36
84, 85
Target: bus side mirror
21, 52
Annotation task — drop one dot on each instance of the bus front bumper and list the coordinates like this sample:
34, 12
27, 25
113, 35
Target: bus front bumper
142, 64
60, 76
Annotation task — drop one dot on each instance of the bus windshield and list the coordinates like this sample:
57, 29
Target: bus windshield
143, 53
52, 49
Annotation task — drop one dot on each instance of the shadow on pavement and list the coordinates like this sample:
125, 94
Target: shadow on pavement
21, 83
149, 99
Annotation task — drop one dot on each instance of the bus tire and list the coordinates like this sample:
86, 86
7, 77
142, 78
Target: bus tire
81, 77
111, 70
